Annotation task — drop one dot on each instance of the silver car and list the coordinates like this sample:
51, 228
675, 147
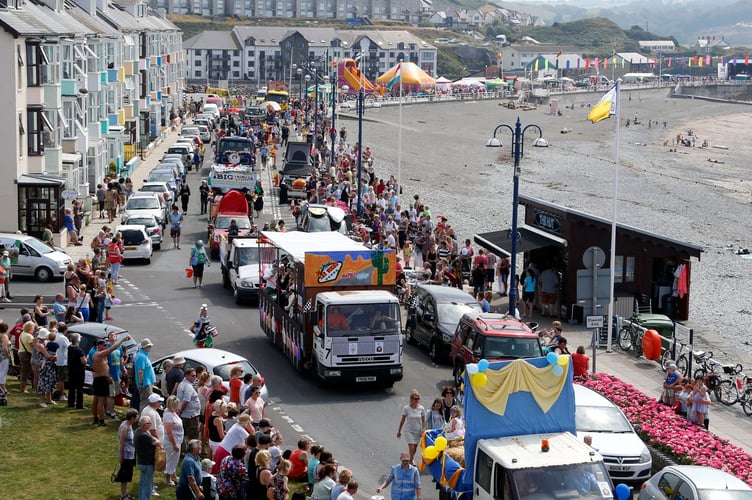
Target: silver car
694, 482
144, 203
153, 228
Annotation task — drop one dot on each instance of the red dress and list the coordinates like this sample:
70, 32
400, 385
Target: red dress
235, 385
580, 364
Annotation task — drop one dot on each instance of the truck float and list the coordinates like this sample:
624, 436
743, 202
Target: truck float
520, 438
337, 316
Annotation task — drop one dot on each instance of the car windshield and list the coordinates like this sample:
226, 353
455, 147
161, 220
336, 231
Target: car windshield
224, 222
132, 237
353, 320
510, 348
224, 370
601, 419
247, 256
451, 313
565, 481
142, 204
39, 246
189, 131
141, 221
153, 189
161, 177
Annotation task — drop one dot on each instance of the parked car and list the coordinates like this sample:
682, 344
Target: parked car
625, 455
91, 332
178, 159
433, 316
158, 187
495, 337
153, 228
164, 175
141, 203
181, 149
694, 482
216, 361
32, 257
188, 141
136, 242
204, 131
189, 130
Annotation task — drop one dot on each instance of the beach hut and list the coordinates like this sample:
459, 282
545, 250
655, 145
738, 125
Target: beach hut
413, 78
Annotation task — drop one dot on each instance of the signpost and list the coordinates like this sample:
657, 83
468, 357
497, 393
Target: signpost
595, 323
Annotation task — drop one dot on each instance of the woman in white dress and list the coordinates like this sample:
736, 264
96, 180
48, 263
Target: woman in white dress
413, 422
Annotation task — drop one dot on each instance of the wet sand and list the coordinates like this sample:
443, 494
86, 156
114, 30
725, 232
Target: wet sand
696, 195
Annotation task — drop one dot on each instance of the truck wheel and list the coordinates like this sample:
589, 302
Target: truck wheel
459, 367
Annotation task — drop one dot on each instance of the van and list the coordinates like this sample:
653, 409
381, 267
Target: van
211, 108
30, 256
625, 455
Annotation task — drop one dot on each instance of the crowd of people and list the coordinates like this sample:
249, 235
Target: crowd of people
688, 397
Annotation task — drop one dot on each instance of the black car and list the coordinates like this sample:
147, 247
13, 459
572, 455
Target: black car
433, 316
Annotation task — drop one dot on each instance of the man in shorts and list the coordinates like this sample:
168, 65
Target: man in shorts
549, 282
100, 387
176, 224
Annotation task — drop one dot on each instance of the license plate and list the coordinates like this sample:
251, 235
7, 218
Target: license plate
365, 379
619, 468
131, 248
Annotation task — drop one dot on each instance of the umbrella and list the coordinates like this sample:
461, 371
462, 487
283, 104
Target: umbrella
271, 104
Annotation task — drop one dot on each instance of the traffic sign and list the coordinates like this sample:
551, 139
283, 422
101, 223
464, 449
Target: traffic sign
594, 321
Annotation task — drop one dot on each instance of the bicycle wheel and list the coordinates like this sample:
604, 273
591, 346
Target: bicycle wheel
726, 392
682, 365
747, 402
700, 372
625, 338
666, 359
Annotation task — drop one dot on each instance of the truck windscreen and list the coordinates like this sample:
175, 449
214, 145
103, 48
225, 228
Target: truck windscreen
588, 480
351, 320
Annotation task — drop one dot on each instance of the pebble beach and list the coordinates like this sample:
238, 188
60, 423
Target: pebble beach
698, 195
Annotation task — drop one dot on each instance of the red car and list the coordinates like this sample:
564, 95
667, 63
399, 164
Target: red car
232, 206
494, 337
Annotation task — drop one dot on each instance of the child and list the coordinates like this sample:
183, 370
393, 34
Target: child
456, 424
406, 253
435, 417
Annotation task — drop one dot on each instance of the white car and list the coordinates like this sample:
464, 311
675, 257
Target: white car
216, 361
153, 228
158, 187
694, 482
204, 133
141, 203
625, 455
136, 242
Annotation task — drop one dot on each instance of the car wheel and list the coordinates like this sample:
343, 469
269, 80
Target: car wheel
434, 351
236, 295
43, 274
158, 246
409, 335
459, 368
148, 260
225, 279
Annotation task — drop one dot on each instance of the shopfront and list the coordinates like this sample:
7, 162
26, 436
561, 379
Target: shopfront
649, 268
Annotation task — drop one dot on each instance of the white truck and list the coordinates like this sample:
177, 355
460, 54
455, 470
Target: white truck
240, 267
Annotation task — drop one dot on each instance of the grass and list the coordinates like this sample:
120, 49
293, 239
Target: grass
56, 452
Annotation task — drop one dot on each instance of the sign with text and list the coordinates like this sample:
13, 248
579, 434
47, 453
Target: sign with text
594, 322
547, 221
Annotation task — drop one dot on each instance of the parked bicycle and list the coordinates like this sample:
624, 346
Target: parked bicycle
680, 359
734, 385
710, 370
630, 337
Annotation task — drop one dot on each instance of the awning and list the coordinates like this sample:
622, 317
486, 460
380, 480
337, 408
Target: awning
40, 180
500, 242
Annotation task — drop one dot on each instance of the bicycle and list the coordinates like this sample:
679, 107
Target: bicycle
630, 338
736, 388
681, 360
710, 371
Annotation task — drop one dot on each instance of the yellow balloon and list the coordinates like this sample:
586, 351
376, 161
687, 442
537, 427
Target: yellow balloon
563, 360
431, 452
479, 379
441, 443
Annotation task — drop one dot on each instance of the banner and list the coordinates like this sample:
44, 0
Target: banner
232, 180
354, 268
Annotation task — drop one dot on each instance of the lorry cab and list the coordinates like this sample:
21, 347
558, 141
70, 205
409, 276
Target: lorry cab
539, 466
356, 332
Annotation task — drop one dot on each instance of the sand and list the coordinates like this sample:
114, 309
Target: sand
696, 195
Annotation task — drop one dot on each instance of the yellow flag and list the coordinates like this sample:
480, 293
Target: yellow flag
605, 107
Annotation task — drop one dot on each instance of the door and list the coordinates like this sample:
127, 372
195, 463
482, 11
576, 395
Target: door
37, 216
27, 258
426, 316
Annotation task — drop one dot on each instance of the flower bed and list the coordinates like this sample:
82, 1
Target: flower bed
668, 432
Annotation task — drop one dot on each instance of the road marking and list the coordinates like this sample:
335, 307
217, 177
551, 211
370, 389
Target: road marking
138, 304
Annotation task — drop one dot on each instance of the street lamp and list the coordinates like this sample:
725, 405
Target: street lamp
300, 83
518, 136
316, 113
333, 131
293, 67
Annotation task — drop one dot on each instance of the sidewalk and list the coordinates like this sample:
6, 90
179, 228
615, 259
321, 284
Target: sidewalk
727, 422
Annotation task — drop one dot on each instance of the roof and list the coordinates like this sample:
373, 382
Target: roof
707, 477
634, 57
501, 325
40, 180
691, 250
39, 20
357, 296
523, 452
447, 294
212, 40
500, 242
297, 243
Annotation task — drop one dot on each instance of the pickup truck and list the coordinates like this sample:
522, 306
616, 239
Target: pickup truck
240, 267
232, 206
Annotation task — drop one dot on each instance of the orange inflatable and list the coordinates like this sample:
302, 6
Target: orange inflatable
651, 345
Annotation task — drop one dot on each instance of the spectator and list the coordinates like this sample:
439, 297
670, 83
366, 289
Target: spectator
190, 408
175, 375
188, 487
126, 452
71, 228
76, 373
173, 438
145, 446
345, 475
145, 376
322, 489
580, 362
231, 475
299, 460
352, 488
5, 357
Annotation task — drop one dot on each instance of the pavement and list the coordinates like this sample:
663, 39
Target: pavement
727, 422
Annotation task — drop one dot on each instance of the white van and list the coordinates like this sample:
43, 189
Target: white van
627, 458
211, 108
32, 257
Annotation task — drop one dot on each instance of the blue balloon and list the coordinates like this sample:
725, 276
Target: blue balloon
472, 369
552, 358
482, 365
622, 491
558, 370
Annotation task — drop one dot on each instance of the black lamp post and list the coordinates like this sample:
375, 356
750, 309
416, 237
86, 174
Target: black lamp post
333, 131
518, 136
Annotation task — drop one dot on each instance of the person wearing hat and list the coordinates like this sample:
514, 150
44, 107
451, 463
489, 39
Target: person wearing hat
208, 480
671, 384
404, 478
47, 378
552, 335
175, 375
197, 261
145, 376
100, 387
5, 263
151, 410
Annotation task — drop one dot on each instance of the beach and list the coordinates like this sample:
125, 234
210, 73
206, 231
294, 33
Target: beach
692, 194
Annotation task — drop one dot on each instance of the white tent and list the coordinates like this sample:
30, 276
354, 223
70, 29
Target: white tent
443, 84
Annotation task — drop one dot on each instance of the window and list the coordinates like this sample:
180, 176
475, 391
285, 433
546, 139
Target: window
37, 122
35, 58
624, 269
51, 138
51, 68
483, 471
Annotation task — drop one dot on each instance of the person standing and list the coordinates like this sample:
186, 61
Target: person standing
190, 407
152, 411
190, 474
101, 384
145, 376
197, 261
173, 438
528, 294
580, 361
126, 453
5, 356
185, 195
145, 446
413, 422
405, 480
25, 351
176, 226
175, 375
61, 365
204, 193
115, 258
503, 270
6, 264
549, 284
76, 373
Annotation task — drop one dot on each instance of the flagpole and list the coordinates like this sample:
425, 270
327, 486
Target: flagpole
399, 137
612, 256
